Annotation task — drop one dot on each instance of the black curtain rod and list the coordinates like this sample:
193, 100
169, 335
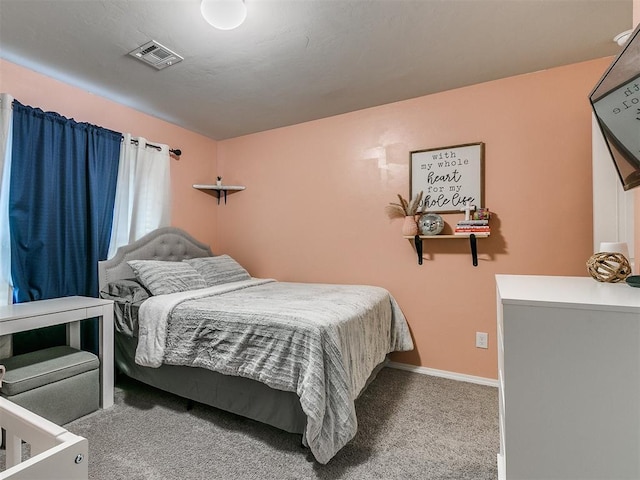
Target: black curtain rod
176, 151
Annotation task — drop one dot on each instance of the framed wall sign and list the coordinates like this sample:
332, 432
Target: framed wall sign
448, 177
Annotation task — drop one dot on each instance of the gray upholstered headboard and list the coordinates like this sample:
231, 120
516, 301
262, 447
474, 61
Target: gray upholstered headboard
167, 243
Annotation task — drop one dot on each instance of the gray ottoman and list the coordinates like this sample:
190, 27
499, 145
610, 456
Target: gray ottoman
60, 384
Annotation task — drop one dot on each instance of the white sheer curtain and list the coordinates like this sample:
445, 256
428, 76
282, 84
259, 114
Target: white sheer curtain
143, 191
6, 134
6, 130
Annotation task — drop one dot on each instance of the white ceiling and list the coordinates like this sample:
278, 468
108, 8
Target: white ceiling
299, 60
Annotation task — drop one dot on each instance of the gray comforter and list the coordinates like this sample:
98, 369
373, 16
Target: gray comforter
320, 341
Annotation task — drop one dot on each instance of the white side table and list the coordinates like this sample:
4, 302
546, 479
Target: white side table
70, 311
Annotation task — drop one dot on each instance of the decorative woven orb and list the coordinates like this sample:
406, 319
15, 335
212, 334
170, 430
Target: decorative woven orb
430, 224
608, 267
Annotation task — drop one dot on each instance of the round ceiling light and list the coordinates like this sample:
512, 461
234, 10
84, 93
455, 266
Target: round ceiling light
224, 14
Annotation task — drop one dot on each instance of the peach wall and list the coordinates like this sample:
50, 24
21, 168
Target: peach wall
196, 165
313, 207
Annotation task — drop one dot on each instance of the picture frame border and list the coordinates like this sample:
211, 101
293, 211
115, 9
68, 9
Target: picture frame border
480, 179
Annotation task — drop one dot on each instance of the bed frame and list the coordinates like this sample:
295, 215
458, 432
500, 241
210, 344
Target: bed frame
238, 395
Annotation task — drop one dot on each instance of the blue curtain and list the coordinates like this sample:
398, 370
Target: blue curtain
61, 197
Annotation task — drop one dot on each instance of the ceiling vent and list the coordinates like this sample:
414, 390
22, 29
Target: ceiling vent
156, 55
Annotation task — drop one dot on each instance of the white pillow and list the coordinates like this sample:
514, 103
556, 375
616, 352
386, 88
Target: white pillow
160, 277
218, 270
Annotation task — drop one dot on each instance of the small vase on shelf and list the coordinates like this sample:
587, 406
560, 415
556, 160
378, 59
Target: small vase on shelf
407, 211
410, 226
219, 181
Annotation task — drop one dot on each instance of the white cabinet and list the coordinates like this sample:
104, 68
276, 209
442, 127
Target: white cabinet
569, 378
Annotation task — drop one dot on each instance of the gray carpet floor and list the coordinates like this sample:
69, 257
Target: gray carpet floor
410, 426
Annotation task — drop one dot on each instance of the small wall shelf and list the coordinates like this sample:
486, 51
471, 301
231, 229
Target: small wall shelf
472, 242
218, 189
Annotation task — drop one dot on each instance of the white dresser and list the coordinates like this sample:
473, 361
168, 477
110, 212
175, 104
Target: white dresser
569, 375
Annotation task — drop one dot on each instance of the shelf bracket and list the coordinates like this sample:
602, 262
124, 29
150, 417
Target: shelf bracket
225, 196
474, 249
418, 242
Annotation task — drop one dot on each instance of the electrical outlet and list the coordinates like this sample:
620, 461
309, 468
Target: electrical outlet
482, 340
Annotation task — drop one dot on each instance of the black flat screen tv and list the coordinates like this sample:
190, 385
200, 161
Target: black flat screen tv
616, 104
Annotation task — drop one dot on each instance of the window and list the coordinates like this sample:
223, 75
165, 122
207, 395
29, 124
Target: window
613, 218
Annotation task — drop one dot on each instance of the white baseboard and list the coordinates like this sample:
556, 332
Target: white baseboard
502, 474
490, 382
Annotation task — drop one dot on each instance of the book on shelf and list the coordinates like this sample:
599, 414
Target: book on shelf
473, 222
469, 228
467, 233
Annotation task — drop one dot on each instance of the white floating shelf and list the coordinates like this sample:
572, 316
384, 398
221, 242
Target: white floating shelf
435, 237
219, 188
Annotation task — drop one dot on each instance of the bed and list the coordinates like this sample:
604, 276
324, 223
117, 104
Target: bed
291, 355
